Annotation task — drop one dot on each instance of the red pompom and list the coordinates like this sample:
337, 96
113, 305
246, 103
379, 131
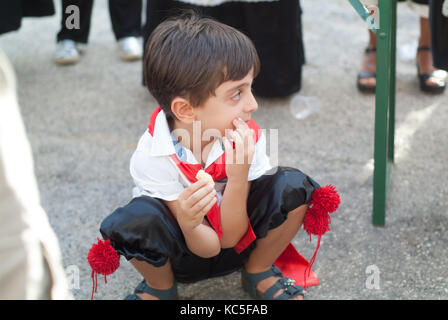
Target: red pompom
316, 224
317, 219
326, 199
103, 259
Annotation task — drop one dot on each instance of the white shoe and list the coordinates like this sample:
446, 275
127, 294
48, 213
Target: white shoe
130, 48
66, 52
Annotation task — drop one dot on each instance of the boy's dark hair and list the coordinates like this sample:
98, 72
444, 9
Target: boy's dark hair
189, 56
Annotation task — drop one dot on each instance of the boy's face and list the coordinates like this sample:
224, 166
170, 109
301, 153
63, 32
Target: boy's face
232, 99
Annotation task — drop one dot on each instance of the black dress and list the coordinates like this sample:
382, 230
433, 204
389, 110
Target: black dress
439, 35
274, 27
12, 12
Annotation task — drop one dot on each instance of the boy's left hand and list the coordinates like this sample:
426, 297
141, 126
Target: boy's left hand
238, 160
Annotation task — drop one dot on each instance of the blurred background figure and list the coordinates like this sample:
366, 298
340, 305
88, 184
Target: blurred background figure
274, 26
438, 18
430, 78
12, 12
125, 16
30, 261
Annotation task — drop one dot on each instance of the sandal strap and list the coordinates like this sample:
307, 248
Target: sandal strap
370, 49
269, 293
257, 277
440, 78
252, 279
291, 290
288, 287
424, 48
366, 74
167, 294
132, 297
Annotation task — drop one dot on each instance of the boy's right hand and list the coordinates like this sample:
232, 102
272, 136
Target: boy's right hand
194, 203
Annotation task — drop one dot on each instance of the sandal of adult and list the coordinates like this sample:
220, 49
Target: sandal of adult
438, 77
168, 294
366, 75
250, 281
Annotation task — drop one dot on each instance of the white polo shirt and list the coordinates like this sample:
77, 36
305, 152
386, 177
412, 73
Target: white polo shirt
156, 175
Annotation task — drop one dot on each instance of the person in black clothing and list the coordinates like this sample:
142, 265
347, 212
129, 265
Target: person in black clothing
275, 27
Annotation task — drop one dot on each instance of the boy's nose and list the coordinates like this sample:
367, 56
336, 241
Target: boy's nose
252, 104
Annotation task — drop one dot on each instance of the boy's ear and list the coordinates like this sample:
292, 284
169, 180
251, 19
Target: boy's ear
183, 110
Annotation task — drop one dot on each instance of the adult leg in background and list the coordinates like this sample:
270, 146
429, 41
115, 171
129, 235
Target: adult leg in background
81, 34
126, 18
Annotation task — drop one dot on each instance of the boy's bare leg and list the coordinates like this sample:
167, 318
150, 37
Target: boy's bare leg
268, 249
160, 278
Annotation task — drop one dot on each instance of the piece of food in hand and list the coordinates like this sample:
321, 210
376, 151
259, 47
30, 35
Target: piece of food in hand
204, 175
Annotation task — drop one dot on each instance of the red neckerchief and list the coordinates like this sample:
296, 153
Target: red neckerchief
290, 262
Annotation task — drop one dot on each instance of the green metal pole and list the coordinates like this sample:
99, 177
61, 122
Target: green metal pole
384, 108
393, 39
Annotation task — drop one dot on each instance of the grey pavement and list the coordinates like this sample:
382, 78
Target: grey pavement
84, 121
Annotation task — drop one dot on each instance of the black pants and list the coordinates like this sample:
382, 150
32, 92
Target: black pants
145, 229
274, 27
125, 16
439, 35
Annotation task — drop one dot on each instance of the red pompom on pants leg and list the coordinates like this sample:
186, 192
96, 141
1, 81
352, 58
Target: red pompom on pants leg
317, 219
103, 259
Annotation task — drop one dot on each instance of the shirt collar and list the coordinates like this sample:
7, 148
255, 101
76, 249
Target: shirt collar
162, 144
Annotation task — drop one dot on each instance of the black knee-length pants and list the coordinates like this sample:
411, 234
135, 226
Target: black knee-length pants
146, 229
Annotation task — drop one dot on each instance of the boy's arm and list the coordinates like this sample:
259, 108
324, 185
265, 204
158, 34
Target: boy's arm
202, 240
234, 219
159, 179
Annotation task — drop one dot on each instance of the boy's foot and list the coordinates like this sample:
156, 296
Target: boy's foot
270, 284
366, 81
66, 52
265, 284
431, 79
130, 49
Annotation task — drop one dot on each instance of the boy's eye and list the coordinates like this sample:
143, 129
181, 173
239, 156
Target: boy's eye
236, 97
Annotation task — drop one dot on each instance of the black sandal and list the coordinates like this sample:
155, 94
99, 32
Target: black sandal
168, 294
366, 75
250, 281
439, 76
